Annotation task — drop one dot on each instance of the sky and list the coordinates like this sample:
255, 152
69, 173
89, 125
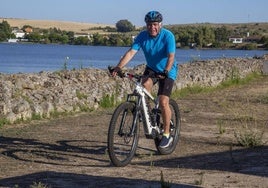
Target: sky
111, 11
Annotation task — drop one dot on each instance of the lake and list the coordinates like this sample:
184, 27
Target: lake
28, 58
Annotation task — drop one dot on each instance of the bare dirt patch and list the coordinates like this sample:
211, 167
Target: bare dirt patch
71, 151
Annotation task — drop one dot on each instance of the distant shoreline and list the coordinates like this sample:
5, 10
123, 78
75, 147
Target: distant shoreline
185, 48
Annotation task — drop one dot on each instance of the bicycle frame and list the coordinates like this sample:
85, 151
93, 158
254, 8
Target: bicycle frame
141, 93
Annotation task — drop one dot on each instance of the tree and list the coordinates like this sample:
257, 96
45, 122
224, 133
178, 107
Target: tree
221, 34
5, 31
185, 35
34, 37
205, 36
264, 41
124, 26
97, 39
81, 40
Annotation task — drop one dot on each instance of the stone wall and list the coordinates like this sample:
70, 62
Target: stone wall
25, 95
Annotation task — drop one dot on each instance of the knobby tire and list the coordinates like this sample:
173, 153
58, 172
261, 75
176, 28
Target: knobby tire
121, 145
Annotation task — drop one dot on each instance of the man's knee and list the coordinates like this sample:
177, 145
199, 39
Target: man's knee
164, 101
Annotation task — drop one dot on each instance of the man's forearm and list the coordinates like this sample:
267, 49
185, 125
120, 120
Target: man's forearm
170, 62
126, 58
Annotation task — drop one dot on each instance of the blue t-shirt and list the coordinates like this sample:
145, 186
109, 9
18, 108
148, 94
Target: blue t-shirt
156, 50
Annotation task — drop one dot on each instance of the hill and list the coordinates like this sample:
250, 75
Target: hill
82, 27
76, 27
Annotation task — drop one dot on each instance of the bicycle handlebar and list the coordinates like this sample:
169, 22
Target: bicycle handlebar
122, 74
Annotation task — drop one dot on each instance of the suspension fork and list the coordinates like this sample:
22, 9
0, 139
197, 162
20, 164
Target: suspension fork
136, 112
120, 131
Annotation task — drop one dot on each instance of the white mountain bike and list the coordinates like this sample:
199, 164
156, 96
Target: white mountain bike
123, 133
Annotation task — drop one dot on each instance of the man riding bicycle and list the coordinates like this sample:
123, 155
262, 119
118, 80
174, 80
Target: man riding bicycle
158, 45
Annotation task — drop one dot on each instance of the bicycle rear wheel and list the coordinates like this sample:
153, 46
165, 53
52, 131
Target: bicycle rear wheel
122, 139
175, 126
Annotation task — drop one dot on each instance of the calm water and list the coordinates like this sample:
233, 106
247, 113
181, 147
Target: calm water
25, 58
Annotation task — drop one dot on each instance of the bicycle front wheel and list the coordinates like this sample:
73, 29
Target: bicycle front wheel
123, 134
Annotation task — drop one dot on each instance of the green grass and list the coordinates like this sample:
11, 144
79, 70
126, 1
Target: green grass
190, 91
36, 117
234, 80
3, 121
221, 126
108, 101
80, 95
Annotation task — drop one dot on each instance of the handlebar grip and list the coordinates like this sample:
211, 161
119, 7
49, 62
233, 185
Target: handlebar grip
119, 73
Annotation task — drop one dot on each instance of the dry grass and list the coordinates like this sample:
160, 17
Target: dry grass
77, 27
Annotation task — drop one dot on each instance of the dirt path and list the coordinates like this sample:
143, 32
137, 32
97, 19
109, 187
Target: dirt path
71, 151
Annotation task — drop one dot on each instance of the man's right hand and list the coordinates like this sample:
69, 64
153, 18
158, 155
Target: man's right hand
114, 71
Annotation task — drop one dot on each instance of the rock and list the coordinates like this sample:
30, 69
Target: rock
21, 107
47, 109
11, 117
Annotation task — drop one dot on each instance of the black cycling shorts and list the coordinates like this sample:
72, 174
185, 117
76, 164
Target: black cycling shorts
165, 85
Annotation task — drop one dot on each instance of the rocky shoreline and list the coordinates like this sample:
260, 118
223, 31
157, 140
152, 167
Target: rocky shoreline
23, 96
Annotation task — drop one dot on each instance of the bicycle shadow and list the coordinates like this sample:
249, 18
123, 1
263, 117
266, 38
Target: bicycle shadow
251, 161
59, 153
70, 180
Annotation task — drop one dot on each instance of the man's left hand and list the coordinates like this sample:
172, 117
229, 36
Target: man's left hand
164, 74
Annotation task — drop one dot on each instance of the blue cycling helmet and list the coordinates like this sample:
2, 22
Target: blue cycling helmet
153, 16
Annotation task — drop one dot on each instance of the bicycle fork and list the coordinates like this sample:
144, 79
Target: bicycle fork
133, 126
